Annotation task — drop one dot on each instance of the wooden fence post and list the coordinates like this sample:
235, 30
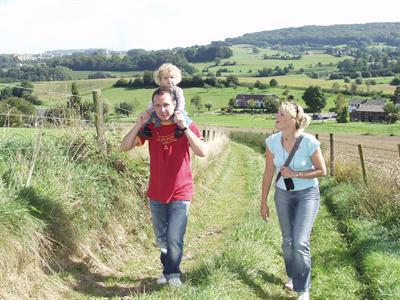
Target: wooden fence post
360, 151
332, 160
398, 147
99, 120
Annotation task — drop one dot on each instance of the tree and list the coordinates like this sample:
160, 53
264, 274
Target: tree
148, 78
196, 101
314, 98
347, 79
252, 104
25, 89
396, 95
343, 115
273, 83
232, 103
353, 88
340, 102
395, 81
232, 80
124, 108
12, 111
270, 104
392, 114
208, 106
6, 93
335, 87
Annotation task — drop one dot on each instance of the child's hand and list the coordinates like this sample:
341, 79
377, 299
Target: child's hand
179, 119
143, 118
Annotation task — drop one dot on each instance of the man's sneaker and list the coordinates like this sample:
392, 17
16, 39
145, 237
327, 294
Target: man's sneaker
162, 279
289, 284
303, 296
175, 282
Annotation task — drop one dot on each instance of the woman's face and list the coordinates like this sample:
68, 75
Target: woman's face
283, 120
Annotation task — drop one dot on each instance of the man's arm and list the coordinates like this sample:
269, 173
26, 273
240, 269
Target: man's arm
130, 141
198, 146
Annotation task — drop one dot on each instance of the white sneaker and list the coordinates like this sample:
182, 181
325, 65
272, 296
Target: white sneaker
289, 284
175, 282
303, 296
162, 279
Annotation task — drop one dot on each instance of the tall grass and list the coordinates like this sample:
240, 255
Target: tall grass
62, 202
216, 145
251, 139
369, 216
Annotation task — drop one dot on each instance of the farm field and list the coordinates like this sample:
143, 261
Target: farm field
79, 75
247, 63
380, 153
303, 81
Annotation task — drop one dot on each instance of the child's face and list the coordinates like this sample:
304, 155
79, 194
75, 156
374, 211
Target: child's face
167, 80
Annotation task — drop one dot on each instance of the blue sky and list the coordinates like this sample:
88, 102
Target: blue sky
34, 26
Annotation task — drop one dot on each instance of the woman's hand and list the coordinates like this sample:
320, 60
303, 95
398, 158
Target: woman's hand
287, 172
264, 211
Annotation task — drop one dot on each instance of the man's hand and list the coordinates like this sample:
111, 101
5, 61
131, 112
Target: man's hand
179, 119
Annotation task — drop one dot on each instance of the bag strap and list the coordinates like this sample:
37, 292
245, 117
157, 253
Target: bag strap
291, 154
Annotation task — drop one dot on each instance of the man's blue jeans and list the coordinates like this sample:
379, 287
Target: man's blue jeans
169, 224
296, 213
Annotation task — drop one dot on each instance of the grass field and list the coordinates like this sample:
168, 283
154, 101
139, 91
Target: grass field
247, 63
77, 75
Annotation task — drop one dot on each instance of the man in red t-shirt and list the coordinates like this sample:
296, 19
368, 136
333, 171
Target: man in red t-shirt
171, 185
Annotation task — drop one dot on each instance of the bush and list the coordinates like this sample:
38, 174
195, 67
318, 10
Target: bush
395, 81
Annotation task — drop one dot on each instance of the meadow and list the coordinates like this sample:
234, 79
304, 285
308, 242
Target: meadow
247, 62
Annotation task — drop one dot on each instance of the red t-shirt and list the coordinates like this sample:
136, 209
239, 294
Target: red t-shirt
170, 173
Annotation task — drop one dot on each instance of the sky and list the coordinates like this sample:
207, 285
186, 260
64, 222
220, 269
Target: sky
36, 26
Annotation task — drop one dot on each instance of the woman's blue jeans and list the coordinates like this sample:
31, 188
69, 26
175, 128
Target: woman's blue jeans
169, 224
296, 213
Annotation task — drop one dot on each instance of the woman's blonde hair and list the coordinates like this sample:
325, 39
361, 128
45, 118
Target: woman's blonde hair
296, 112
167, 68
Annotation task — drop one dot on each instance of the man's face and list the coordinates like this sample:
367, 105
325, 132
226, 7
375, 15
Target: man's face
164, 106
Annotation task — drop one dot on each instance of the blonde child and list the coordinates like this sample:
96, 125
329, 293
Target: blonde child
167, 75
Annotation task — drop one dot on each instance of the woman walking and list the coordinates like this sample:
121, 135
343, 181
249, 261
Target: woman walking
297, 159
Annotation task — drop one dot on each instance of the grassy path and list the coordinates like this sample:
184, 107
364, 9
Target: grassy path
230, 253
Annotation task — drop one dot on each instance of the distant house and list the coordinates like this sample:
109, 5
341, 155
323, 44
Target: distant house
354, 104
369, 111
243, 99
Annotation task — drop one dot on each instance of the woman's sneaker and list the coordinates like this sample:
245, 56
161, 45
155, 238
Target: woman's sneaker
289, 284
175, 282
162, 279
303, 296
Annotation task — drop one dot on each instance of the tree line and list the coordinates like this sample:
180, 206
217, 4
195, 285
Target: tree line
140, 60
353, 34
